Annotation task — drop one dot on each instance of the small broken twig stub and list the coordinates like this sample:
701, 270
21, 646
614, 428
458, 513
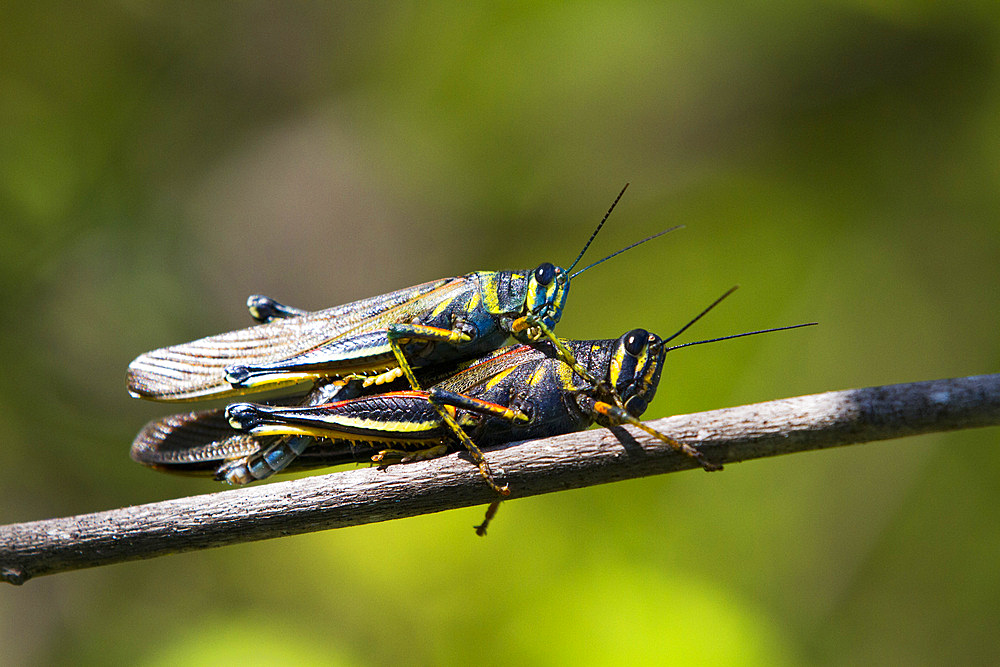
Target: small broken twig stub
597, 456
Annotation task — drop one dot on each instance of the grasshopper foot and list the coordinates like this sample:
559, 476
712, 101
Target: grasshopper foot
237, 375
235, 473
389, 456
265, 309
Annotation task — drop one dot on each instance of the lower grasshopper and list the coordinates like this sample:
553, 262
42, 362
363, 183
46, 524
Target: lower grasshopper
517, 393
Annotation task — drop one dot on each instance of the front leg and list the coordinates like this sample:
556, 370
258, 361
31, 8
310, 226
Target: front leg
534, 330
607, 414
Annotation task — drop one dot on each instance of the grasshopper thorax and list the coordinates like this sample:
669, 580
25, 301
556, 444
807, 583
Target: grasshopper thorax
634, 369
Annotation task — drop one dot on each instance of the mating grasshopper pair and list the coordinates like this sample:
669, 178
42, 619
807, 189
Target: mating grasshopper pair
444, 335
518, 392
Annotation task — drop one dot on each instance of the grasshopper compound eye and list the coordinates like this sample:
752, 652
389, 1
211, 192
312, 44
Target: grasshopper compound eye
635, 341
545, 273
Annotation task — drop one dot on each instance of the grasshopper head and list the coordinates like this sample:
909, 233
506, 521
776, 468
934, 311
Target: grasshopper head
635, 367
548, 287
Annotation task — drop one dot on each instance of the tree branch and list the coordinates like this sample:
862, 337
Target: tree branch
582, 459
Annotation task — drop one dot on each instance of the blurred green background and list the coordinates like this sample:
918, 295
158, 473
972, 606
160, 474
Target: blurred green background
839, 160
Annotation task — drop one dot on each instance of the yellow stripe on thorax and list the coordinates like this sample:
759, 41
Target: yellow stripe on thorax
565, 374
440, 308
498, 378
489, 282
474, 300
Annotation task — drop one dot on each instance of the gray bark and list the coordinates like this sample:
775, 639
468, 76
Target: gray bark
592, 457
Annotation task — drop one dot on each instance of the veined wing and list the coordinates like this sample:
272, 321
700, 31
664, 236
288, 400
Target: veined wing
192, 442
197, 369
197, 443
492, 369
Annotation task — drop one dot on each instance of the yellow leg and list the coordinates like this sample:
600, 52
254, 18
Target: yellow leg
400, 332
619, 415
540, 330
474, 451
404, 365
449, 419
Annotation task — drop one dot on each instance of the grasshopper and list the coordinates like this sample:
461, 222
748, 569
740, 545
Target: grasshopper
374, 341
515, 393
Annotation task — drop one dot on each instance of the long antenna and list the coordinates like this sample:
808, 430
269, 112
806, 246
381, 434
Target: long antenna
741, 335
648, 238
594, 235
701, 314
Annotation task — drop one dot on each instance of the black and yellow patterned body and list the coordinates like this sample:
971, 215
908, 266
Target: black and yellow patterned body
516, 393
443, 321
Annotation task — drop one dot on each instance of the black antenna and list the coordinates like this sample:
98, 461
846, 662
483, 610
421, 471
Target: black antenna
648, 238
741, 335
701, 314
601, 224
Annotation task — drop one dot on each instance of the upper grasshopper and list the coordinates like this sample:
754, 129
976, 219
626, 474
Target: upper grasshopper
380, 338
